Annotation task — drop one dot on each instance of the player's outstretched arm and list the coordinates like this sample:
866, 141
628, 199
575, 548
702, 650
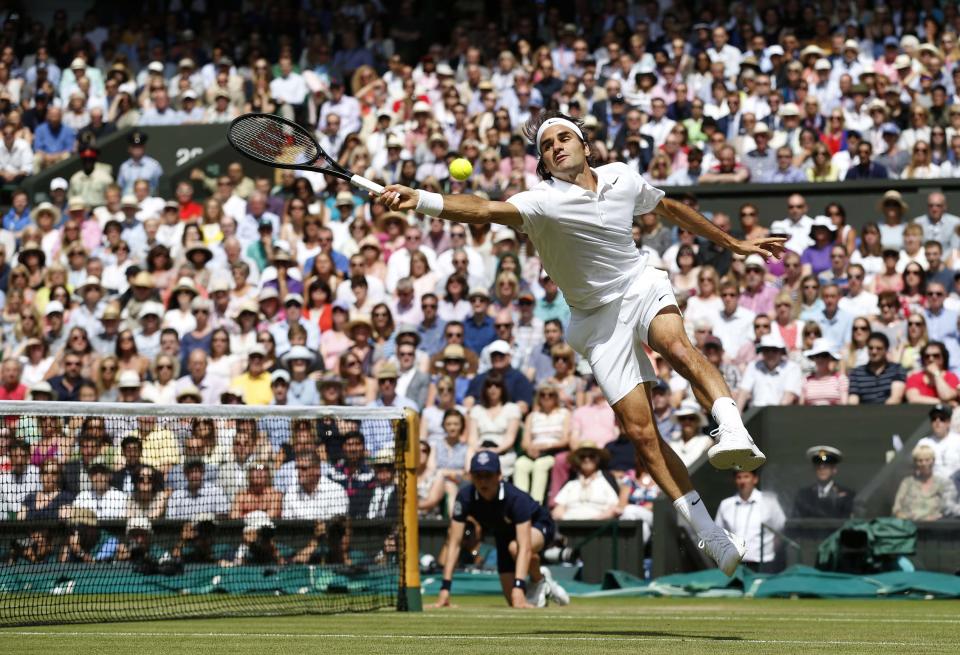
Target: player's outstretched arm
693, 221
463, 208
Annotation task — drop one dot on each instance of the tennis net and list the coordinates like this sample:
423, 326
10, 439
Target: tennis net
114, 511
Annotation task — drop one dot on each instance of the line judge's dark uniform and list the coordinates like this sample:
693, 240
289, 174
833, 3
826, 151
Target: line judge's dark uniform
833, 502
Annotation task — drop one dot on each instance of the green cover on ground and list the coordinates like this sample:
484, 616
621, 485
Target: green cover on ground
801, 581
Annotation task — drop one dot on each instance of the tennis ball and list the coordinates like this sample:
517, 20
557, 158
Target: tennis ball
461, 169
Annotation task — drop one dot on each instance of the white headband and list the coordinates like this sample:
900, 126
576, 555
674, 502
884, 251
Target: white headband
556, 121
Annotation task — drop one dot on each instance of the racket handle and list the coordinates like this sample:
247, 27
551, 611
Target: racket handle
364, 183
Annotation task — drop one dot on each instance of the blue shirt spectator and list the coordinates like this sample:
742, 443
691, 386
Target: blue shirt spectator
54, 139
144, 168
478, 334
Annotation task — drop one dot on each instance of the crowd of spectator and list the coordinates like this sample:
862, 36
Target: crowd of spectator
296, 289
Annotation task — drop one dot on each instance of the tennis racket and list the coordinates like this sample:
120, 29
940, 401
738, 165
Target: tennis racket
280, 143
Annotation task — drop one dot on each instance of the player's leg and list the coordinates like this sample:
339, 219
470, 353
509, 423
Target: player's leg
635, 413
734, 447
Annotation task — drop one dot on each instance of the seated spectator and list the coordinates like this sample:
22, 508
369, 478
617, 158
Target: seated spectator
944, 441
20, 479
315, 497
748, 353
934, 383
352, 472
590, 496
785, 172
836, 324
197, 497
85, 543
924, 496
259, 495
940, 320
826, 385
727, 170
430, 485
45, 503
568, 385
387, 395
516, 385
816, 258
745, 514
825, 498
494, 421
713, 351
879, 381
546, 431
149, 498
105, 501
384, 502
773, 379
690, 442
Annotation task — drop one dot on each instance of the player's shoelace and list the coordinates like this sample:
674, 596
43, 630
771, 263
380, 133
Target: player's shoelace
723, 430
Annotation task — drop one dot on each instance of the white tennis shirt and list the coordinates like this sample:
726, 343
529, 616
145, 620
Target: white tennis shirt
585, 239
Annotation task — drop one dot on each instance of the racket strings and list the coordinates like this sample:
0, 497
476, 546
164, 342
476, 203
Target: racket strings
275, 142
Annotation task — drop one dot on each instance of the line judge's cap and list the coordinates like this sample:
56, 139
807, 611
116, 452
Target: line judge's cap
940, 409
485, 462
824, 455
137, 138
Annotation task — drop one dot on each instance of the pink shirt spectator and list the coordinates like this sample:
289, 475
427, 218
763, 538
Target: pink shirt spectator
595, 422
760, 302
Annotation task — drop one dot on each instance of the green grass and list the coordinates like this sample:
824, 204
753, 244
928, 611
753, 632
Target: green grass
483, 625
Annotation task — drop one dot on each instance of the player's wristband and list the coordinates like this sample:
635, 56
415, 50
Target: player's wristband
445, 585
519, 584
429, 203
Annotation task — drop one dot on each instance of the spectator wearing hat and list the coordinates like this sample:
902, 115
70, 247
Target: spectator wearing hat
87, 314
944, 441
758, 294
255, 381
825, 498
139, 166
387, 395
521, 527
826, 385
147, 336
689, 442
773, 379
590, 496
478, 328
763, 159
302, 389
518, 387
54, 333
893, 156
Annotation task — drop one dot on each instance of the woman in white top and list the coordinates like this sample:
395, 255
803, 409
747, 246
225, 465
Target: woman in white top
870, 253
424, 280
589, 497
706, 303
431, 421
222, 363
161, 390
921, 166
454, 305
36, 363
494, 423
545, 432
178, 314
691, 442
246, 315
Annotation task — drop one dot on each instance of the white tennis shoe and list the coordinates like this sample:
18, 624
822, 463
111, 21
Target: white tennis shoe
735, 449
537, 593
726, 549
556, 593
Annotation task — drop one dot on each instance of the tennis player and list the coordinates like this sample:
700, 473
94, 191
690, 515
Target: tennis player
580, 220
520, 526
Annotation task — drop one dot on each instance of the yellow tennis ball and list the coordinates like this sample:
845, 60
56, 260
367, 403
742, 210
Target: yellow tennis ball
461, 169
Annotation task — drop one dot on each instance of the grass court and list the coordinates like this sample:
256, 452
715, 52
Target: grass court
481, 625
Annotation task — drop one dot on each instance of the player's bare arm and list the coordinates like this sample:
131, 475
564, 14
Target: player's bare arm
692, 221
462, 208
454, 540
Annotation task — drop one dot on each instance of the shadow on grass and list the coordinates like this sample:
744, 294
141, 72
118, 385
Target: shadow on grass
629, 633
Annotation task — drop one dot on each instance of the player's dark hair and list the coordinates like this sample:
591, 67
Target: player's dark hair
532, 126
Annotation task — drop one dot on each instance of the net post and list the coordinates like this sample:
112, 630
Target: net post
409, 599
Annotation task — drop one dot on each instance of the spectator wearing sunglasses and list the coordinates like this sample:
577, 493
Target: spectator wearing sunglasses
934, 383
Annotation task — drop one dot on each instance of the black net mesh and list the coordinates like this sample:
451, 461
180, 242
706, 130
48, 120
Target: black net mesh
273, 142
113, 517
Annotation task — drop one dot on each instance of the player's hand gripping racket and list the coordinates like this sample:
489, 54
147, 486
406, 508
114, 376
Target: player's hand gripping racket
277, 142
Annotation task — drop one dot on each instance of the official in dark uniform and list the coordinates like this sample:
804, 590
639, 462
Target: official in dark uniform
825, 499
520, 526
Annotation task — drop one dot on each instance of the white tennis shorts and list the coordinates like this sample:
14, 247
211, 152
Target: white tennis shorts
611, 337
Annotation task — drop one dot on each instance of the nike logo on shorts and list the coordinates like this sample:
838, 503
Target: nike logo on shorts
695, 502
662, 297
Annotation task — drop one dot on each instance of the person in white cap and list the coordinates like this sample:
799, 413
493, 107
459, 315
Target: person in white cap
773, 379
580, 219
690, 442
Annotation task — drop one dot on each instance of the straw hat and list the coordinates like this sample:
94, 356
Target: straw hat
603, 455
